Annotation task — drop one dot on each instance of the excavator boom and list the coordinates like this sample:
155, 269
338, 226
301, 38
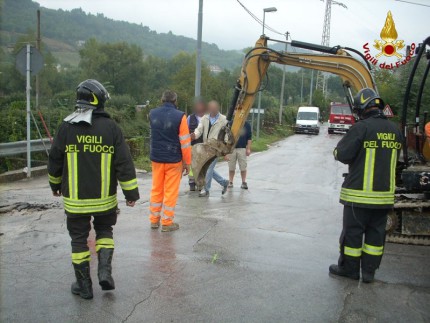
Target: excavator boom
256, 62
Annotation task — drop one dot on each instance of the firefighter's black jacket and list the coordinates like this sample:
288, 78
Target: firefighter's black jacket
371, 149
86, 162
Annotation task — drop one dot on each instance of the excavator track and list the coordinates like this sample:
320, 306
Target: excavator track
411, 204
404, 239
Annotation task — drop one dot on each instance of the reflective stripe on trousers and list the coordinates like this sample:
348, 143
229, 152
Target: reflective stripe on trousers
80, 257
373, 250
168, 212
107, 243
352, 252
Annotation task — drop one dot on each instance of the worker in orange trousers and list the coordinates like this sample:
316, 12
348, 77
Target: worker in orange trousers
171, 159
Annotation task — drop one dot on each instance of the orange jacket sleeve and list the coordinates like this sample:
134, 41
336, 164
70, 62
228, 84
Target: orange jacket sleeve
185, 139
427, 129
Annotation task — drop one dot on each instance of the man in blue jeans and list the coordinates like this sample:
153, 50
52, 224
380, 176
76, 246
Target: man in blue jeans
209, 127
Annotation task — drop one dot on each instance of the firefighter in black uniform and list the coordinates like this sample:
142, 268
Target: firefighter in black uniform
370, 149
87, 159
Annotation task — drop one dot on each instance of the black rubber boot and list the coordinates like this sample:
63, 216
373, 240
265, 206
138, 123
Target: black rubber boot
83, 285
344, 271
192, 187
105, 268
367, 276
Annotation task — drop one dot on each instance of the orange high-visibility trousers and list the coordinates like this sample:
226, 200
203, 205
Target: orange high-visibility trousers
166, 179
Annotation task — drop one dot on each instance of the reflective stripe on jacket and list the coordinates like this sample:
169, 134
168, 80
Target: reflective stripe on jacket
86, 162
371, 149
170, 136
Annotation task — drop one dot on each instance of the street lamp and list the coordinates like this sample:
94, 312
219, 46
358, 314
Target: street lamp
271, 9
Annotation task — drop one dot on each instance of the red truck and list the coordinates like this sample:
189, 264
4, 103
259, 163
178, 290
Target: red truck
340, 118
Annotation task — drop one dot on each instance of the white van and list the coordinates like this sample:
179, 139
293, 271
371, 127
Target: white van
307, 120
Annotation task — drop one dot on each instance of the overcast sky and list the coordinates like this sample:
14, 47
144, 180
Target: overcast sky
226, 24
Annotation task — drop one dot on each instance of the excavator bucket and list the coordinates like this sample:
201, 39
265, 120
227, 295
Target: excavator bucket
203, 156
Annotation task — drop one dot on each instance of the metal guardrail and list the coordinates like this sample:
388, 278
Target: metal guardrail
20, 147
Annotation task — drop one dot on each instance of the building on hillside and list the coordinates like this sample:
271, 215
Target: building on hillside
141, 107
80, 43
215, 69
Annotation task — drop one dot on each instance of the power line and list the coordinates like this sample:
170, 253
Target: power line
414, 3
259, 20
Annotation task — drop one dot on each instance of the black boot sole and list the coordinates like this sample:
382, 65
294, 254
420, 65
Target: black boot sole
77, 292
105, 285
81, 295
86, 296
337, 274
367, 278
344, 276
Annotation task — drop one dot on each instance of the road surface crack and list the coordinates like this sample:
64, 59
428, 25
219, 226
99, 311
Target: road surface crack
283, 231
147, 297
346, 301
407, 285
206, 233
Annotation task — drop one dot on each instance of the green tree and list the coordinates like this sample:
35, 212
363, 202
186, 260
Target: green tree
118, 64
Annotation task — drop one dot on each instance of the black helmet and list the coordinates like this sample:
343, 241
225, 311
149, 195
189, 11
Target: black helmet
91, 94
367, 98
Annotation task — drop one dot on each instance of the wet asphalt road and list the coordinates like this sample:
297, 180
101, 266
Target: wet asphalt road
251, 256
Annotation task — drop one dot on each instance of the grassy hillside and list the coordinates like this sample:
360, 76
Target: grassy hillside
62, 30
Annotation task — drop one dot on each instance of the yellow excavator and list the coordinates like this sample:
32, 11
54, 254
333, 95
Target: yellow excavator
410, 220
335, 60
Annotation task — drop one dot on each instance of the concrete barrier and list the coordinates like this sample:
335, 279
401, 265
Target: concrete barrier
17, 175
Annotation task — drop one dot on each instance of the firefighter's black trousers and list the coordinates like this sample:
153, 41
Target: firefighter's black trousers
79, 228
359, 222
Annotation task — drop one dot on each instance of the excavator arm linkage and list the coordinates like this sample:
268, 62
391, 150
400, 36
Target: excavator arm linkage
352, 72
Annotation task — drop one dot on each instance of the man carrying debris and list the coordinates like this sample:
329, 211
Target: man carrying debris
171, 158
209, 128
370, 149
88, 157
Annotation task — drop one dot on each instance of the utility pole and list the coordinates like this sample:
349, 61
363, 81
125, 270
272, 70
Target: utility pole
252, 120
281, 100
325, 40
312, 87
38, 47
27, 91
198, 83
301, 89
271, 9
258, 114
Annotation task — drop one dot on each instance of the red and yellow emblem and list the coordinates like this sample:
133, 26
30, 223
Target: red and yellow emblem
389, 45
